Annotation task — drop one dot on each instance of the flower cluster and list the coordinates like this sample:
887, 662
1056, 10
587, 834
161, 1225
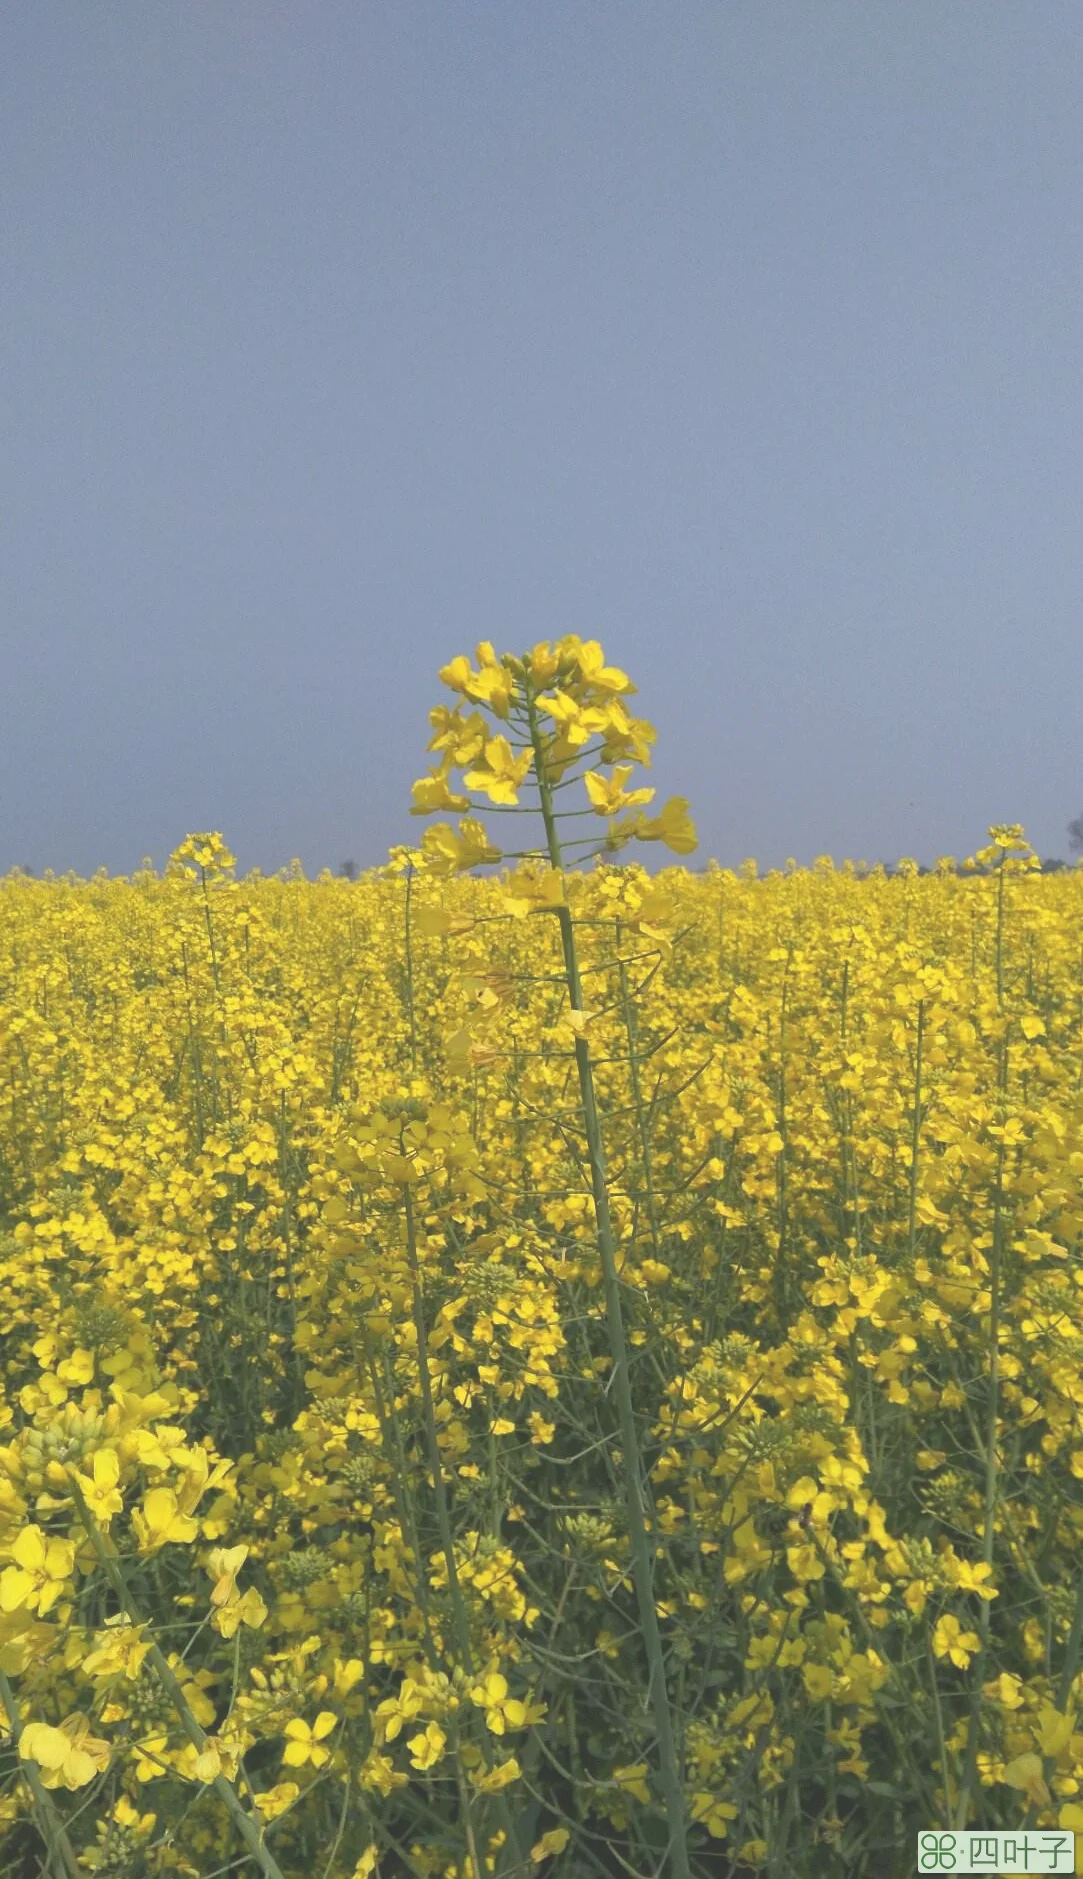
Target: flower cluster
563, 708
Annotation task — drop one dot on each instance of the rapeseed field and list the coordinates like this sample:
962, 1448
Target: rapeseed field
520, 1364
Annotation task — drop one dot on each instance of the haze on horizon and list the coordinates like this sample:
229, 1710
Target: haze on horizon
745, 339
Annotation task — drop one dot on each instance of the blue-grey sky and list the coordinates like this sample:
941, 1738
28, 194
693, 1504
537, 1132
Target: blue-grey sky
744, 335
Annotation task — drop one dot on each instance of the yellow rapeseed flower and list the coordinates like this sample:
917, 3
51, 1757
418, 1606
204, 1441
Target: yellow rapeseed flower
43, 1565
68, 1756
304, 1743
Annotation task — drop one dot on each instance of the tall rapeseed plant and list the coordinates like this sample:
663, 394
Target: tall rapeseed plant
566, 723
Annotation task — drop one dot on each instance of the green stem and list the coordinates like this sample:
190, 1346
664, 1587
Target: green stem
633, 1473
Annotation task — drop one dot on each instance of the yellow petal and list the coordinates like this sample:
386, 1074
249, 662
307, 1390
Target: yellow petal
29, 1549
106, 1468
79, 1768
41, 1743
1025, 1773
552, 1842
1054, 1730
59, 1558
159, 1509
15, 1588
